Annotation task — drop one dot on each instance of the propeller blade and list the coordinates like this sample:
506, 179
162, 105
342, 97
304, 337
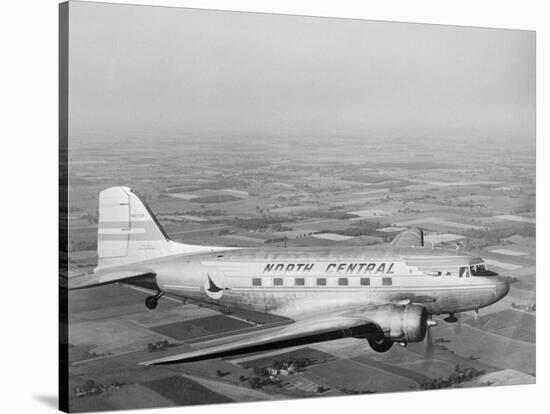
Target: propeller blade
428, 344
457, 328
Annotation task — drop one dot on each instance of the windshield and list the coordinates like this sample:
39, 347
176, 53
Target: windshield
476, 270
481, 270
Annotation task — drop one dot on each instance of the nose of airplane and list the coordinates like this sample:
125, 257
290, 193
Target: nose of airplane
502, 287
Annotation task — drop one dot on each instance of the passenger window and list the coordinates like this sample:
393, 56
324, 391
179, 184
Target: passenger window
277, 281
321, 281
342, 281
256, 281
365, 281
299, 281
386, 281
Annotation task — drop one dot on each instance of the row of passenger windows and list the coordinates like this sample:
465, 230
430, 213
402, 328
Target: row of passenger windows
321, 281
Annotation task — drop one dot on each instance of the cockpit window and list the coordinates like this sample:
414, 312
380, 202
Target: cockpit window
481, 270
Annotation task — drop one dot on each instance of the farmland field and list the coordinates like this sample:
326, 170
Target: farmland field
305, 197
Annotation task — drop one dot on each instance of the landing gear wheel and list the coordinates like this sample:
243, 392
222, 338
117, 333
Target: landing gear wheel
151, 302
380, 344
451, 318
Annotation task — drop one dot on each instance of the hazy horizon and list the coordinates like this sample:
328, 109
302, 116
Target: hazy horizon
170, 71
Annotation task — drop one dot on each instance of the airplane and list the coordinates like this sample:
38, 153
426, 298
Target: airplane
382, 294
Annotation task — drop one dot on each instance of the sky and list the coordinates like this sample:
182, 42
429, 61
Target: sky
185, 71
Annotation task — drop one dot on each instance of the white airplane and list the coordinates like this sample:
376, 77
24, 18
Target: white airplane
382, 294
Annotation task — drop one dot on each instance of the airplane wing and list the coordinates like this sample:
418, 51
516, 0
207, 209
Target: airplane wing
107, 276
304, 332
409, 238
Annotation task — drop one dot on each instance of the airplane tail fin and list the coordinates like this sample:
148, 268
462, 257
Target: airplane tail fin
127, 229
409, 238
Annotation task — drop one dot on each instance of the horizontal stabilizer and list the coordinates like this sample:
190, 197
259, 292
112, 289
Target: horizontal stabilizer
99, 278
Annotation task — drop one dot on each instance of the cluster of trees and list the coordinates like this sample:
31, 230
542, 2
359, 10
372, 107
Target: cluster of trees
205, 213
298, 363
330, 214
457, 377
360, 228
439, 343
276, 240
424, 197
90, 387
257, 223
157, 346
408, 210
258, 382
319, 189
266, 376
280, 227
494, 235
350, 391
469, 203
530, 307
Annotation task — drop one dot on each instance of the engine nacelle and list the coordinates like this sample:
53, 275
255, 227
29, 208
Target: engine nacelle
406, 323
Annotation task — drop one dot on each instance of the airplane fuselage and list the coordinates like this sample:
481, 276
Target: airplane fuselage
305, 281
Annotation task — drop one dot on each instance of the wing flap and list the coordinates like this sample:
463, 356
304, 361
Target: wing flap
297, 333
